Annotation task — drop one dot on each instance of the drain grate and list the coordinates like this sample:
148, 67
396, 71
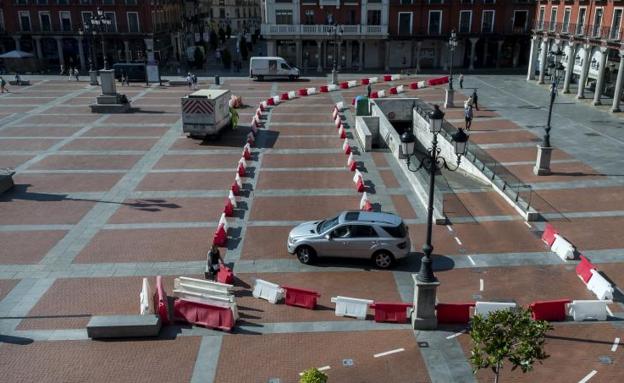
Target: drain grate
347, 362
423, 344
605, 360
476, 296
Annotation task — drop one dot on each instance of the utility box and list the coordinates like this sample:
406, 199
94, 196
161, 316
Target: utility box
205, 112
361, 106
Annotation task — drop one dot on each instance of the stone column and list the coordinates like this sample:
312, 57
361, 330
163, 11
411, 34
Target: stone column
361, 55
473, 47
18, 44
319, 48
583, 78
542, 68
387, 56
338, 55
127, 50
81, 56
174, 45
618, 84
601, 74
516, 55
38, 47
349, 53
499, 52
569, 67
424, 316
418, 48
59, 47
486, 47
532, 59
298, 54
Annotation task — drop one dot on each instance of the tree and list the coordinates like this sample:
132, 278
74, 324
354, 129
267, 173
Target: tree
313, 376
507, 334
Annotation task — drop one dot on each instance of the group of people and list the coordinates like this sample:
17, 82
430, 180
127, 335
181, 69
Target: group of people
471, 102
71, 73
191, 80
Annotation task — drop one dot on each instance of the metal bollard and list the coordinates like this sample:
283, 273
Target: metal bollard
217, 80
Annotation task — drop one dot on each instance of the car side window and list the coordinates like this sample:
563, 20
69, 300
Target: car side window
363, 231
341, 232
284, 66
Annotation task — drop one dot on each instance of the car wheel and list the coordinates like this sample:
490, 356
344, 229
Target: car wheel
383, 259
305, 254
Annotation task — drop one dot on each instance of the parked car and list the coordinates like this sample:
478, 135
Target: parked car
381, 237
261, 67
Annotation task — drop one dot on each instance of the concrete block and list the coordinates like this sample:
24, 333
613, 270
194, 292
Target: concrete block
6, 179
123, 326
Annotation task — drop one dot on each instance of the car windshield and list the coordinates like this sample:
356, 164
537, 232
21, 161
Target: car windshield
327, 224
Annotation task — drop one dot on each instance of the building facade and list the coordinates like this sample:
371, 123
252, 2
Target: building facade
384, 34
60, 31
240, 15
589, 34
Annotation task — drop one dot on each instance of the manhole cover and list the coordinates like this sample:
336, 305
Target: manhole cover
423, 344
476, 296
605, 360
347, 362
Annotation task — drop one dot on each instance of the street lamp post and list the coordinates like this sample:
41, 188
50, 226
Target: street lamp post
335, 32
542, 164
426, 282
90, 33
100, 24
448, 102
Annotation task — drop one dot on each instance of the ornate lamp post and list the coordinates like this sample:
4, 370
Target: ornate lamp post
542, 164
100, 24
335, 33
90, 33
448, 102
425, 281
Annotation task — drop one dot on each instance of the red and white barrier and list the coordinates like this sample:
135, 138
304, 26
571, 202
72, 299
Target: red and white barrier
276, 100
346, 147
146, 301
359, 181
228, 209
381, 93
373, 80
337, 122
600, 286
237, 185
551, 311
422, 84
311, 91
584, 269
351, 307
258, 112
292, 95
387, 77
247, 152
365, 204
250, 138
393, 90
485, 308
588, 309
453, 312
268, 291
332, 87
341, 132
303, 92
395, 77
400, 89
240, 170
335, 113
351, 163
352, 83
344, 85
220, 236
223, 221
548, 237
562, 248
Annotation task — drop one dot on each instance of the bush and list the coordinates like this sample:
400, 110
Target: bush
313, 376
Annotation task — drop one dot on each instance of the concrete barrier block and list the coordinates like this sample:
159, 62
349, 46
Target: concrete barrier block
588, 309
485, 308
598, 285
123, 326
351, 307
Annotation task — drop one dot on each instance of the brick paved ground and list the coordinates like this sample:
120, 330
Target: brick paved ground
104, 200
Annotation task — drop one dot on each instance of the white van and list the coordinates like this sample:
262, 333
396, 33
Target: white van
261, 67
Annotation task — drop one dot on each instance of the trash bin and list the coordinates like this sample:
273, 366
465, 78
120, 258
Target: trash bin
361, 106
217, 80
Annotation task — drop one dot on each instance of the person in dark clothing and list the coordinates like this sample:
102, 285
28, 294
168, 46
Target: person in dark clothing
461, 81
369, 90
213, 263
475, 99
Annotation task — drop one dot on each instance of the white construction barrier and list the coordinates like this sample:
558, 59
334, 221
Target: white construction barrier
202, 285
351, 307
232, 198
400, 89
311, 91
243, 162
292, 94
357, 175
340, 106
422, 84
395, 77
223, 221
562, 248
268, 291
485, 308
146, 299
276, 99
352, 83
332, 87
264, 104
583, 310
373, 80
600, 286
238, 181
381, 93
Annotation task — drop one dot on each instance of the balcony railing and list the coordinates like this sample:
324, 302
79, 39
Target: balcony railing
588, 31
322, 30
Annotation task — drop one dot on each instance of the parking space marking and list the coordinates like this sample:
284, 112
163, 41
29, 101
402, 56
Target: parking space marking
454, 335
449, 228
388, 352
588, 376
471, 260
481, 284
458, 241
616, 342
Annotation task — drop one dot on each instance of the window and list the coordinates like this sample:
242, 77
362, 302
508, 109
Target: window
65, 21
352, 20
363, 231
24, 18
597, 22
1, 21
487, 22
520, 20
284, 66
62, 2
566, 20
435, 22
580, 24
396, 231
108, 2
113, 18
540, 18
42, 2
133, 22
45, 22
553, 18
465, 21
374, 17
222, 13
616, 24
131, 2
308, 17
283, 16
405, 23
342, 232
86, 17
85, 2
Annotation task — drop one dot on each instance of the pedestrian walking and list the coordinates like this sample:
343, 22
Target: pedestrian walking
62, 69
124, 79
189, 80
70, 73
475, 99
194, 80
18, 79
468, 113
369, 90
461, 81
213, 263
3, 87
77, 74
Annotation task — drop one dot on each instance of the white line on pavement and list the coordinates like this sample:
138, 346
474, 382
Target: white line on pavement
388, 352
454, 335
449, 228
588, 376
480, 284
609, 311
528, 224
615, 344
471, 260
458, 241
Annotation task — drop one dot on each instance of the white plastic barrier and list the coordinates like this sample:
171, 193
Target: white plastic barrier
223, 288
583, 310
422, 84
332, 87
395, 77
400, 89
351, 307
562, 248
373, 80
600, 286
292, 94
264, 104
268, 291
340, 106
146, 299
381, 93
276, 99
485, 308
352, 83
311, 91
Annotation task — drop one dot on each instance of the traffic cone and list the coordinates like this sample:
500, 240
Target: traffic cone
223, 221
346, 147
220, 236
342, 132
240, 171
228, 210
360, 185
365, 204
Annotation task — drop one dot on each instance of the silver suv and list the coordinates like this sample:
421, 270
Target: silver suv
381, 237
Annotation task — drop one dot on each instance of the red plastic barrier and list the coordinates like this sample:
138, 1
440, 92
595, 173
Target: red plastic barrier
584, 268
203, 314
246, 154
270, 101
225, 275
549, 234
347, 150
374, 94
387, 77
360, 185
453, 312
220, 236
343, 134
353, 166
300, 297
303, 92
549, 310
160, 301
241, 170
344, 85
284, 96
393, 90
235, 189
365, 81
390, 312
413, 85
353, 101
324, 89
229, 208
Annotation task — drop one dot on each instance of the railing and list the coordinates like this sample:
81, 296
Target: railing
322, 30
585, 30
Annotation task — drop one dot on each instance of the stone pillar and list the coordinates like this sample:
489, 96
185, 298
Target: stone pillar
38, 47
584, 71
424, 316
319, 48
532, 59
486, 47
569, 67
618, 85
499, 52
542, 68
361, 55
81, 56
516, 55
18, 44
473, 47
349, 53
387, 56
418, 48
59, 47
298, 54
601, 74
127, 50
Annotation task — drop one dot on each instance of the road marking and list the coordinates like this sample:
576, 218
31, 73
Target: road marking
609, 311
615, 344
480, 284
454, 335
458, 241
528, 224
324, 368
388, 352
471, 260
588, 376
449, 228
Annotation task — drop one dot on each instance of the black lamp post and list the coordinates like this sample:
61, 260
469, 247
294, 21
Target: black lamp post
432, 162
100, 23
335, 32
85, 31
448, 103
556, 68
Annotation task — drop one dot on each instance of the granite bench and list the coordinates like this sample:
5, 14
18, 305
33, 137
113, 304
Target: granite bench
123, 326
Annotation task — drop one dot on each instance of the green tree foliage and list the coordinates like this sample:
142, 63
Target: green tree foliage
313, 376
507, 335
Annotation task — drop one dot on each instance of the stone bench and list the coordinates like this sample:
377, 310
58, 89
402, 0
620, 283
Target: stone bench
123, 326
178, 83
6, 179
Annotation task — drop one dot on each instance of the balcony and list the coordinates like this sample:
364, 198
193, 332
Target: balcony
316, 30
592, 32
